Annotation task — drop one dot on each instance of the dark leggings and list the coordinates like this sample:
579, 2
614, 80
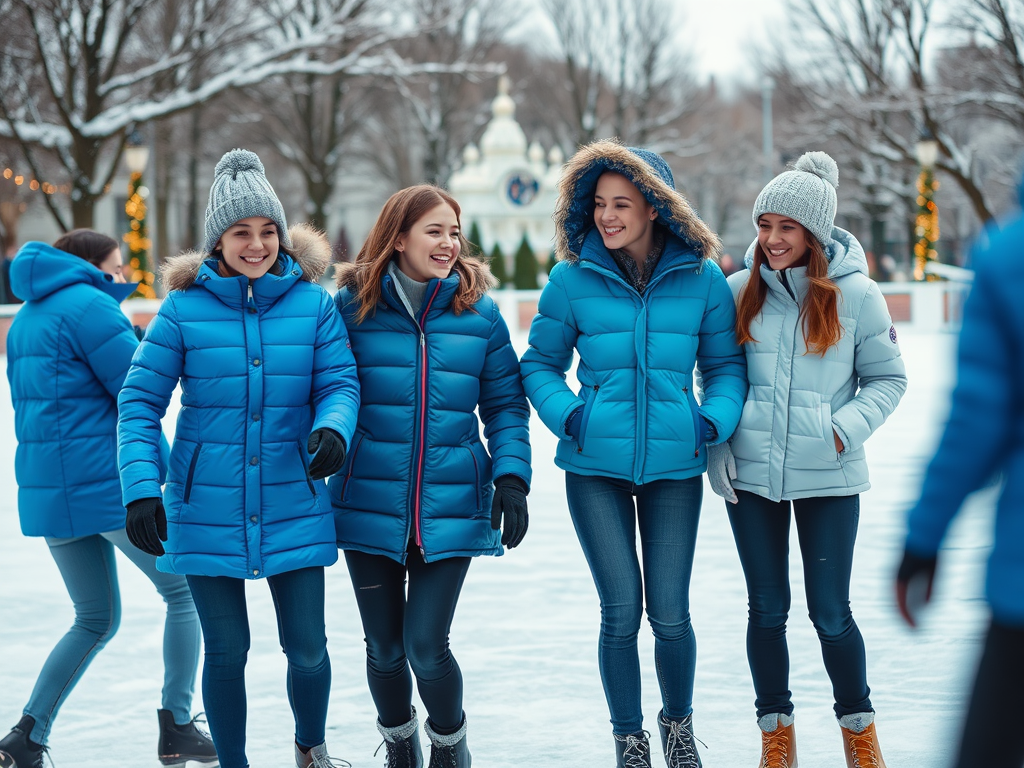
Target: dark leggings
827, 529
403, 631
991, 738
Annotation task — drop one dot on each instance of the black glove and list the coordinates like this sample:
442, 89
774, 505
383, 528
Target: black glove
329, 448
510, 500
146, 525
914, 585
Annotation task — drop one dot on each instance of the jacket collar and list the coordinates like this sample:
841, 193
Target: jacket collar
676, 255
440, 293
234, 291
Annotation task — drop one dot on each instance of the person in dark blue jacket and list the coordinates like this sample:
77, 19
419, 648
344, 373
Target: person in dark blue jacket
983, 439
420, 495
268, 406
68, 352
638, 295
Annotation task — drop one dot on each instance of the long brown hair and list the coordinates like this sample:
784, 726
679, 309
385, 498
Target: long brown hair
402, 210
820, 309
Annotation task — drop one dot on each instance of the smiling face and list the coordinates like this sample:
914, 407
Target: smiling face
111, 264
249, 247
431, 246
784, 241
623, 216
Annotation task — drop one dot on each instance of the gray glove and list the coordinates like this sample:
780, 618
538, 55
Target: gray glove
722, 471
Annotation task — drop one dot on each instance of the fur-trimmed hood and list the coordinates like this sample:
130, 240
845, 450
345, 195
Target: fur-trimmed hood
345, 276
311, 250
574, 211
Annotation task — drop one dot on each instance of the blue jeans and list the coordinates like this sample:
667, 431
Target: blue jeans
89, 570
403, 631
827, 529
606, 518
299, 601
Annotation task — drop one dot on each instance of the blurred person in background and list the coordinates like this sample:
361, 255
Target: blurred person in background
68, 352
983, 439
825, 372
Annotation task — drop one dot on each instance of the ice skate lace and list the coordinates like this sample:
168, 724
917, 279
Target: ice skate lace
638, 751
395, 751
322, 760
679, 749
862, 749
775, 749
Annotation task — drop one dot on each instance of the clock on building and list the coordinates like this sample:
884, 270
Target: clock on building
521, 188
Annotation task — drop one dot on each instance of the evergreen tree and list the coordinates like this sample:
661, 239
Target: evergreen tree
526, 267
475, 239
497, 264
550, 263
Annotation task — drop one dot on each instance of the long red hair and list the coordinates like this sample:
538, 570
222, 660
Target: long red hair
820, 309
400, 212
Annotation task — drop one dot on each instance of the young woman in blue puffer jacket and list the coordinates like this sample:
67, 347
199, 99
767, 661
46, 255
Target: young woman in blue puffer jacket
420, 494
68, 352
825, 372
269, 396
639, 296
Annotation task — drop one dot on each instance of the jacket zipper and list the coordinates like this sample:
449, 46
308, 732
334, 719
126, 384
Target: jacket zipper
423, 421
351, 468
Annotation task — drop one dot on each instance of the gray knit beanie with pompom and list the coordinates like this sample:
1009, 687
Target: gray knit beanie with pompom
806, 194
240, 190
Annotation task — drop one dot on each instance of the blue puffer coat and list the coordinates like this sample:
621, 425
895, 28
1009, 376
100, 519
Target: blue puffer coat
637, 353
985, 433
418, 469
261, 365
68, 351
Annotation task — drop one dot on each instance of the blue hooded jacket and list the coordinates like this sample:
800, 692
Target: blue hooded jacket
640, 419
985, 432
261, 365
418, 469
68, 351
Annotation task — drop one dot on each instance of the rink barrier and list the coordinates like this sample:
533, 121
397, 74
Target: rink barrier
927, 306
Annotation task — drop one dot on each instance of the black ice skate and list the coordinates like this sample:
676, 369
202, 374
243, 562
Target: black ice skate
17, 750
179, 743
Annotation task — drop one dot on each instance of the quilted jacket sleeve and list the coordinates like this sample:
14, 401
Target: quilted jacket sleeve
553, 335
881, 374
335, 382
978, 432
154, 373
106, 342
503, 407
721, 362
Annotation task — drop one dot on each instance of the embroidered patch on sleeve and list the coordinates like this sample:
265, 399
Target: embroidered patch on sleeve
892, 333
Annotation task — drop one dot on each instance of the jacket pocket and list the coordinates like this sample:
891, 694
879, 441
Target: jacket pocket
351, 467
476, 479
827, 430
691, 402
305, 467
187, 494
587, 410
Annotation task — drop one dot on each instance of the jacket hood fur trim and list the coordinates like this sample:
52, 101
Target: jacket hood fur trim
574, 211
345, 276
311, 250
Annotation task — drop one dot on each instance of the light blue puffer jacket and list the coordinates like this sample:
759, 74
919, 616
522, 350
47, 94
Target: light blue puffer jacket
68, 351
637, 353
783, 445
259, 371
418, 468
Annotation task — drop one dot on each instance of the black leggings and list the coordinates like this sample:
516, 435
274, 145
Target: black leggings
991, 737
403, 631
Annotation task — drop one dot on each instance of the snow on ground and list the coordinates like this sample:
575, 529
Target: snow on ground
526, 632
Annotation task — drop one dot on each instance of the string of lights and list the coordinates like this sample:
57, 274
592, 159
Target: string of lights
34, 184
926, 225
138, 240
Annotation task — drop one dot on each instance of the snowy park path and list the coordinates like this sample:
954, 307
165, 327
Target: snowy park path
526, 633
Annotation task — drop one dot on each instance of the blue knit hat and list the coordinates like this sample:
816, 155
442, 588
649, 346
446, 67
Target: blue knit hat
806, 194
241, 190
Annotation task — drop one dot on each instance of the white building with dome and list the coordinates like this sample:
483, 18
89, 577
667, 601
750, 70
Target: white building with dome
507, 186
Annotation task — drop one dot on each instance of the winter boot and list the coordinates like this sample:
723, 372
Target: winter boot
778, 741
402, 744
860, 742
448, 751
317, 758
632, 750
17, 750
179, 743
677, 742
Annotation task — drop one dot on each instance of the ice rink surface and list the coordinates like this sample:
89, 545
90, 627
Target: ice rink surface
525, 632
